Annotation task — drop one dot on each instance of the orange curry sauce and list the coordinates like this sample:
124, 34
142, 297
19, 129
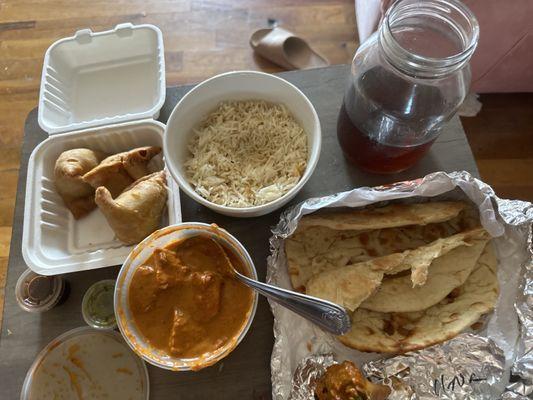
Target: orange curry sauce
184, 300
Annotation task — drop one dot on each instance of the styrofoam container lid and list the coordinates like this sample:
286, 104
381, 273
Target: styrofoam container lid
93, 79
99, 90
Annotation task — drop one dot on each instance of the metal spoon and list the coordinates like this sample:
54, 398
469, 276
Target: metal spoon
329, 316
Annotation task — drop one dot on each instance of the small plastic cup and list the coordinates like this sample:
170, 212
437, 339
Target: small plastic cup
97, 305
137, 257
38, 293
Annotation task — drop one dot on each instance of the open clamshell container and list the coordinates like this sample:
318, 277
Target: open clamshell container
99, 91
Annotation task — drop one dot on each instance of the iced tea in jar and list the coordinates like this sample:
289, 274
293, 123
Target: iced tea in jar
407, 80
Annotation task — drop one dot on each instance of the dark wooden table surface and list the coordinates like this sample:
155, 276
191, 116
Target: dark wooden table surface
245, 373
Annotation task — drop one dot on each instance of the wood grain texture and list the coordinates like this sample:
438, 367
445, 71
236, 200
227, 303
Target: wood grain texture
501, 137
205, 37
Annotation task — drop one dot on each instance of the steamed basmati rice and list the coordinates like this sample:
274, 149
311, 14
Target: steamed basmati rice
247, 153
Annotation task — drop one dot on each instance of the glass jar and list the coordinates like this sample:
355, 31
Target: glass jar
407, 80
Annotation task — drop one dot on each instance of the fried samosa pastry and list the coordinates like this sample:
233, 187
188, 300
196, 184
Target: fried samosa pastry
119, 171
136, 161
69, 169
136, 212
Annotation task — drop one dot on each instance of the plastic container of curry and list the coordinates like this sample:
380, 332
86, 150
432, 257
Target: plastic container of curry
158, 277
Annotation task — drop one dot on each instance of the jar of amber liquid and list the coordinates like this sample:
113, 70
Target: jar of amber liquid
407, 80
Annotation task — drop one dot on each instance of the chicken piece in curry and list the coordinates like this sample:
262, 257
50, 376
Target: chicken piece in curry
185, 302
345, 382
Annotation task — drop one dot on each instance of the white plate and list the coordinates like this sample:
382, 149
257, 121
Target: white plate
89, 364
53, 242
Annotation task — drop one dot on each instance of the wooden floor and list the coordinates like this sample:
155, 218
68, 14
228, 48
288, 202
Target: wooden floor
205, 37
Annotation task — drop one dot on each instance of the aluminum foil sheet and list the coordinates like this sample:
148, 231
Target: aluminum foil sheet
308, 371
514, 396
311, 368
467, 367
509, 327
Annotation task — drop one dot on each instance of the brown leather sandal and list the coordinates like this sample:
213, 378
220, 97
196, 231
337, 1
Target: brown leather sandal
286, 49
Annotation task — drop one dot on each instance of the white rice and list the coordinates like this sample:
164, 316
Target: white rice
247, 153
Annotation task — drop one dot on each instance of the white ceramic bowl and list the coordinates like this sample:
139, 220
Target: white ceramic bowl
137, 257
239, 85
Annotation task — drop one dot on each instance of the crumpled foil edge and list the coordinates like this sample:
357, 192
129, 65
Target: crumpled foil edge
468, 367
513, 212
523, 364
520, 213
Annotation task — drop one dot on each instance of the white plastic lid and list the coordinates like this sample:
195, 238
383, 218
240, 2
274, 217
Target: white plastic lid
86, 363
38, 293
102, 78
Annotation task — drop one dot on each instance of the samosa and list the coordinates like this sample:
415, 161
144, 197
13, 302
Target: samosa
119, 171
69, 169
136, 212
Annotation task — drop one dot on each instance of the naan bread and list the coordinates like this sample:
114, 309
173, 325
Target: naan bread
314, 249
401, 332
446, 272
391, 216
350, 285
347, 286
419, 259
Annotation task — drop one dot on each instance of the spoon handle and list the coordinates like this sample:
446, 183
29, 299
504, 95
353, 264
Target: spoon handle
329, 316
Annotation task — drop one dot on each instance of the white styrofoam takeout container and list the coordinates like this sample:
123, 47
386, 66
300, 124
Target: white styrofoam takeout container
98, 91
102, 78
53, 242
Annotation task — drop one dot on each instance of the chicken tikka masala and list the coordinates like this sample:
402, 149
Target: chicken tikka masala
184, 300
344, 381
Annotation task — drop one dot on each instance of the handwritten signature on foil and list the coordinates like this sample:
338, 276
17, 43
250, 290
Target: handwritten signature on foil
445, 385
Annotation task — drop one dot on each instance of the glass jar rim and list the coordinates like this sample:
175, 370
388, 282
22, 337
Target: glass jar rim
424, 66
